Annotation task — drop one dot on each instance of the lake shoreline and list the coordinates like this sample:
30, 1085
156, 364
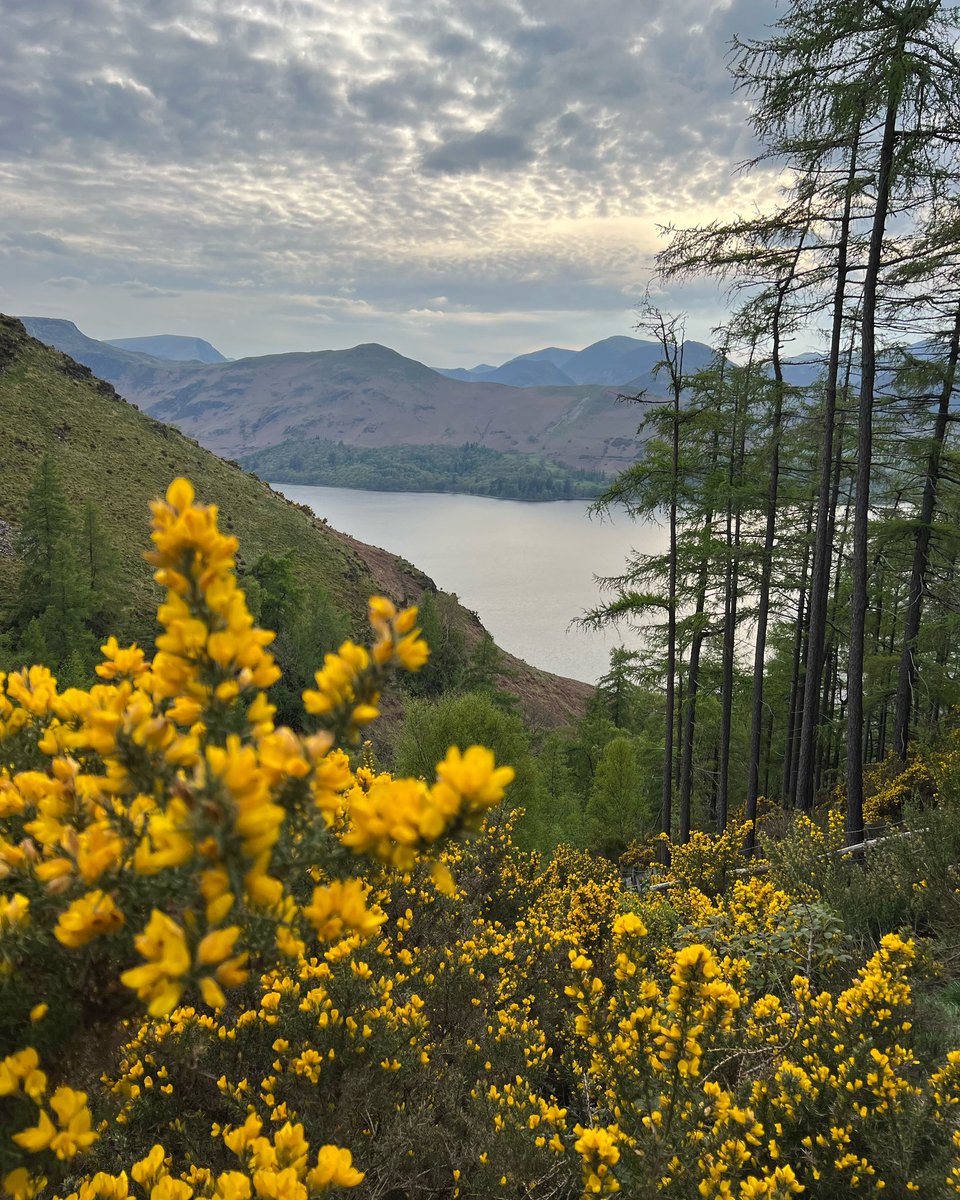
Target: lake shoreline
527, 569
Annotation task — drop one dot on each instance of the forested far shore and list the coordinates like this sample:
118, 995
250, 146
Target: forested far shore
469, 469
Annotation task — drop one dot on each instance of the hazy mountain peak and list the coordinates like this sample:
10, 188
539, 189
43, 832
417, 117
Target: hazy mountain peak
616, 361
173, 347
54, 327
100, 357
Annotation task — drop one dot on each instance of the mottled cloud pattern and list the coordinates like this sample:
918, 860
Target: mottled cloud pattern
459, 178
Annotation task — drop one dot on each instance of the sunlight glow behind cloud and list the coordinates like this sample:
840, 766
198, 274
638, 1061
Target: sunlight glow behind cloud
298, 174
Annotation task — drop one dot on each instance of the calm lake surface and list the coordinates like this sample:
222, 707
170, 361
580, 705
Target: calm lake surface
526, 569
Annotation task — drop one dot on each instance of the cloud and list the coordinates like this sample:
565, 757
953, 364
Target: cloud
486, 149
497, 153
146, 291
68, 282
33, 243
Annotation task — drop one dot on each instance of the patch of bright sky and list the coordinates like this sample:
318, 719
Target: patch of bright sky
462, 182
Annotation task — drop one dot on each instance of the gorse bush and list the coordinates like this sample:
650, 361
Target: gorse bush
161, 817
239, 963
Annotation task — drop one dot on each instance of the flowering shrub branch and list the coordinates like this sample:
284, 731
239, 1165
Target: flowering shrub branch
146, 819
279, 973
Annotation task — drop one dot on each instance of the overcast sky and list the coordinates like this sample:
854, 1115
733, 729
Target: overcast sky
462, 180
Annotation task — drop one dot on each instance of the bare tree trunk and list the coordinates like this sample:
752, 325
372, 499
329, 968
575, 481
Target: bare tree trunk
831, 652
830, 759
767, 747
820, 581
907, 676
666, 800
731, 598
685, 788
766, 570
861, 511
690, 712
795, 707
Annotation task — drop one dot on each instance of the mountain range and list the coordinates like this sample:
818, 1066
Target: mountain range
371, 396
623, 362
613, 362
560, 405
171, 346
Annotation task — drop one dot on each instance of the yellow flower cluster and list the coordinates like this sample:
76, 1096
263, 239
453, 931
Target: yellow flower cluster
347, 694
70, 1134
599, 1151
889, 787
665, 1075
827, 1073
142, 822
336, 990
396, 819
707, 862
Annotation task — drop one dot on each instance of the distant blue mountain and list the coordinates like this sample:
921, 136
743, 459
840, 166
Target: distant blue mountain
466, 374
172, 347
803, 370
529, 372
552, 354
617, 361
628, 363
613, 362
107, 361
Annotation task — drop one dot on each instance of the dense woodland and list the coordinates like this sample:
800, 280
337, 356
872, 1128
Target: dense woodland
803, 620
470, 469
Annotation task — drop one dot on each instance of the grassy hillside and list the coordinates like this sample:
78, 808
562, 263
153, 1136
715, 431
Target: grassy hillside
111, 453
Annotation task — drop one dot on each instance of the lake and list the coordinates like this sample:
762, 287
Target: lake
526, 569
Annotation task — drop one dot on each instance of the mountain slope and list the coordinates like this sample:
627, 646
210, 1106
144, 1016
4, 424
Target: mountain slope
171, 346
109, 452
540, 368
103, 359
551, 354
530, 372
619, 361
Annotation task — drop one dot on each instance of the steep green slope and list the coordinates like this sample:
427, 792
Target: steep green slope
109, 452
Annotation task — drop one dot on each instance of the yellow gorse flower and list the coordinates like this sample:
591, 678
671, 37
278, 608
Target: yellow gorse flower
91, 916
72, 1132
274, 908
159, 982
168, 784
340, 908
